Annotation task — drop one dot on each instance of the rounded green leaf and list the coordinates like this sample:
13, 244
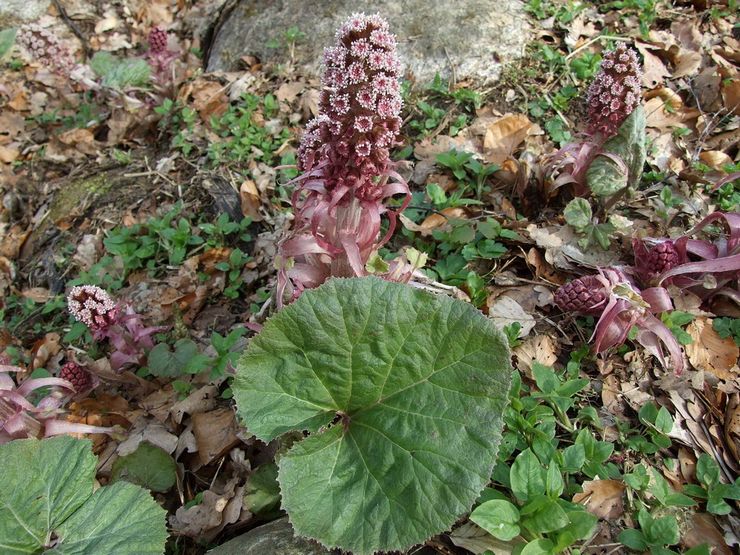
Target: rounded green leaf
47, 504
402, 393
149, 466
497, 517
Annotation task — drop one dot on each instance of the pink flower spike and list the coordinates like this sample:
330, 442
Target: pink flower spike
347, 168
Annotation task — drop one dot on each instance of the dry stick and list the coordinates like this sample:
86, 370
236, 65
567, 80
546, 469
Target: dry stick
73, 28
596, 39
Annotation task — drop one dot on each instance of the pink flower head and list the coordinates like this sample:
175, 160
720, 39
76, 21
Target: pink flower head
364, 124
363, 148
360, 49
92, 306
615, 91
348, 173
157, 40
46, 48
356, 73
366, 99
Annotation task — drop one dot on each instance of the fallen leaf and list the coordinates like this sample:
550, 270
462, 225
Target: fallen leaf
434, 221
503, 136
250, 200
44, 349
201, 400
540, 348
731, 95
87, 251
654, 71
505, 310
209, 99
703, 529
602, 498
476, 540
709, 352
8, 154
151, 431
287, 92
715, 159
37, 294
215, 434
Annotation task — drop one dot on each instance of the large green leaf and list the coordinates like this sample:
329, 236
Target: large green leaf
604, 176
47, 504
402, 393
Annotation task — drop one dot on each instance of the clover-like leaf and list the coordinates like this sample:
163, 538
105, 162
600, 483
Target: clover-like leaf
604, 176
402, 393
47, 504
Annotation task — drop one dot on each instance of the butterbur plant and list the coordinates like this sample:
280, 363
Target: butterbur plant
400, 394
120, 325
46, 48
611, 296
611, 155
703, 267
347, 174
20, 417
160, 58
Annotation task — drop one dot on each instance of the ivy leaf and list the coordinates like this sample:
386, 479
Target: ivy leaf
47, 492
184, 359
604, 177
402, 393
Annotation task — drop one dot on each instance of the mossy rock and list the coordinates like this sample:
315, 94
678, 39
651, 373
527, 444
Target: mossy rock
274, 538
104, 191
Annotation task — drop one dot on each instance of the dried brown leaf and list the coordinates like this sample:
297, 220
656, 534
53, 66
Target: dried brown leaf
602, 498
250, 200
215, 434
709, 352
504, 135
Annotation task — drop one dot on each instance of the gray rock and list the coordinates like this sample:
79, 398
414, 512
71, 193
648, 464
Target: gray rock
275, 538
475, 37
17, 12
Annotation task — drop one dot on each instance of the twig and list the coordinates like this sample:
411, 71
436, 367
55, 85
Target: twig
73, 27
595, 39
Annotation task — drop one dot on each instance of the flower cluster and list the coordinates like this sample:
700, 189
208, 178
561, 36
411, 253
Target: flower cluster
705, 268
159, 57
585, 295
46, 48
615, 91
81, 379
20, 418
345, 159
157, 40
652, 261
92, 306
620, 305
123, 328
612, 96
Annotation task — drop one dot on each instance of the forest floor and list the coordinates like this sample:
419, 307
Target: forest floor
173, 196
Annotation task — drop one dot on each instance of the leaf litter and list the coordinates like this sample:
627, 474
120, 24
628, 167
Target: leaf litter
177, 140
